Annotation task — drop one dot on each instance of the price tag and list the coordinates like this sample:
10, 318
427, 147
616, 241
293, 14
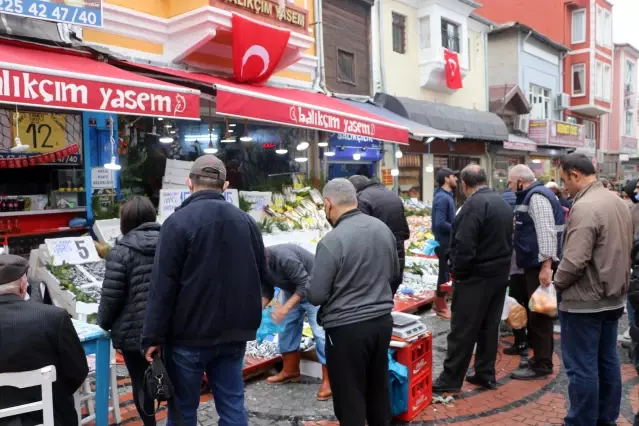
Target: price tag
72, 250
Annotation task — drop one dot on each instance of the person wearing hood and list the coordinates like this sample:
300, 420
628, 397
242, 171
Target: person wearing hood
125, 289
376, 200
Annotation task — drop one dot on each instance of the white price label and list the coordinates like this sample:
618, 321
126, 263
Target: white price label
170, 199
72, 250
102, 178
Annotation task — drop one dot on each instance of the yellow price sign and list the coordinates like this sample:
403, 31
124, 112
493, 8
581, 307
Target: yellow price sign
43, 132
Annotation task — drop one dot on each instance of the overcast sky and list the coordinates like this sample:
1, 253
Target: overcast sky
624, 21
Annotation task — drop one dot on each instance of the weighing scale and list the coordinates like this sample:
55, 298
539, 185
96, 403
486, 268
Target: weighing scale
407, 326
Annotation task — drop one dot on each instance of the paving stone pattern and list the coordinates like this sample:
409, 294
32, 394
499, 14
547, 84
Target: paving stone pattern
540, 402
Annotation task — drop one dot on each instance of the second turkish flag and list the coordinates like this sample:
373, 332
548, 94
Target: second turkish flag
257, 49
453, 73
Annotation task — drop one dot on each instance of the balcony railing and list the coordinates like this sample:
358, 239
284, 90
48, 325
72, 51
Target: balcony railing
450, 42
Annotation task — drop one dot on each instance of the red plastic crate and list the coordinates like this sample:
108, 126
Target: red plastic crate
417, 357
420, 395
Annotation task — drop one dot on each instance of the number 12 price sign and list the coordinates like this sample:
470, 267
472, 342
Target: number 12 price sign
72, 250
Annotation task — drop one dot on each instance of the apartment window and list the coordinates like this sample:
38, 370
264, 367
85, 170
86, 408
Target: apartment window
607, 28
579, 26
630, 122
601, 26
424, 33
630, 77
607, 81
399, 33
450, 36
345, 66
589, 129
570, 119
598, 79
541, 102
578, 80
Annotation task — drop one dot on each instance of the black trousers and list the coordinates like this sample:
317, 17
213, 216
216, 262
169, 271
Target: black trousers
540, 327
476, 312
137, 365
357, 361
397, 282
442, 254
519, 292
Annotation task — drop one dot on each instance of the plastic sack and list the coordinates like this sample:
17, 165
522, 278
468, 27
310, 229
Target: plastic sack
429, 247
267, 326
544, 301
398, 385
514, 314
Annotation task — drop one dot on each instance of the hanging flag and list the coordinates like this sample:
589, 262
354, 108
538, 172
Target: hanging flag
453, 73
257, 49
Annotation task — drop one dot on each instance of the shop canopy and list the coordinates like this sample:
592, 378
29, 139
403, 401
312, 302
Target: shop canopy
417, 131
291, 107
520, 143
39, 76
471, 123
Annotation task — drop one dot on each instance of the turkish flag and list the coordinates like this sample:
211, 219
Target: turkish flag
453, 73
257, 49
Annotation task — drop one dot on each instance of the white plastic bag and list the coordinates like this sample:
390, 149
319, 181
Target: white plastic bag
544, 301
514, 314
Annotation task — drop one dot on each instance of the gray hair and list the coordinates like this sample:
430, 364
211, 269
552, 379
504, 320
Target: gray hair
340, 192
522, 172
13, 287
359, 182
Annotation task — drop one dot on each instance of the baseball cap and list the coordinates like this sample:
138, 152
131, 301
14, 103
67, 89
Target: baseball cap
209, 166
12, 268
443, 173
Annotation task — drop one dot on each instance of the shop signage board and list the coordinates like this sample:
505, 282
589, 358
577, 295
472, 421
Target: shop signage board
628, 144
44, 133
370, 149
259, 201
271, 10
557, 133
79, 12
102, 178
170, 199
72, 250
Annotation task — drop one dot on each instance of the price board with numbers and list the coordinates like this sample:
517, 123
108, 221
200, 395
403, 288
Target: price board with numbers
79, 12
72, 250
42, 132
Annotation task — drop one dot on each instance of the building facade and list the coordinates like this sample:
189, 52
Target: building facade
623, 129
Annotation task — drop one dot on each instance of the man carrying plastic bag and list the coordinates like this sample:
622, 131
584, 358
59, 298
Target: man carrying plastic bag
592, 281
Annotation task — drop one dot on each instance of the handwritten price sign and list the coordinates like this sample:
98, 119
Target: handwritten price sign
72, 250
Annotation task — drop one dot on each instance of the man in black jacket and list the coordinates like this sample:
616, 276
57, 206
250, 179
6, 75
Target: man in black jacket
376, 200
480, 255
204, 299
33, 336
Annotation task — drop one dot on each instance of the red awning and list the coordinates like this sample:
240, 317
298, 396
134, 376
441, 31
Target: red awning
292, 107
63, 79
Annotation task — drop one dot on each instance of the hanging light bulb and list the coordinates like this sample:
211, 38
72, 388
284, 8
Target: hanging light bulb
394, 172
301, 159
429, 168
323, 143
166, 139
210, 149
399, 153
357, 156
429, 140
302, 146
160, 119
281, 150
246, 137
18, 146
329, 153
112, 165
228, 137
168, 125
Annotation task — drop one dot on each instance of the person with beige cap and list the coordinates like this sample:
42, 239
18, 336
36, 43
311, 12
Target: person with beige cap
27, 326
205, 298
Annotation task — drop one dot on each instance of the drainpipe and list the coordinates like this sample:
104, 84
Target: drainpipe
489, 164
319, 84
380, 17
562, 73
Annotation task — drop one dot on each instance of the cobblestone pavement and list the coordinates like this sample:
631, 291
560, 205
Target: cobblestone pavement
541, 402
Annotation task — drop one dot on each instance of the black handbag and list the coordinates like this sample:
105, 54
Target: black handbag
157, 386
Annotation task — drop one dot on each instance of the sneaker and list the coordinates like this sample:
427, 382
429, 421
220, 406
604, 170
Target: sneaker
626, 335
530, 373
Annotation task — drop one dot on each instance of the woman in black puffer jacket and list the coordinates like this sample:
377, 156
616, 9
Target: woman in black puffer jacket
125, 289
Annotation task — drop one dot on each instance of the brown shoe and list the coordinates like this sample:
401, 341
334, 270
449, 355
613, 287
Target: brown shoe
441, 308
290, 371
324, 393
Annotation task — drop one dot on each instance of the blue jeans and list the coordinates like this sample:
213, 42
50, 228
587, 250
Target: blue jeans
589, 349
631, 313
223, 366
293, 325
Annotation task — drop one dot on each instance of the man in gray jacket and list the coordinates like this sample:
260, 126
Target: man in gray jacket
354, 266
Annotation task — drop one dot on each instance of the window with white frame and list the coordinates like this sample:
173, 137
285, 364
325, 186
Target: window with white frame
578, 79
607, 28
589, 129
630, 121
579, 26
607, 81
424, 32
540, 101
630, 77
601, 25
570, 119
598, 79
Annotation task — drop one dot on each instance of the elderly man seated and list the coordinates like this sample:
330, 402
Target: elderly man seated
32, 336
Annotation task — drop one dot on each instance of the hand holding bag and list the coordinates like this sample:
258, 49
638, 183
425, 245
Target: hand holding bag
157, 386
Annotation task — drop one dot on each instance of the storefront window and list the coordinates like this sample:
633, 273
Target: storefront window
544, 169
455, 162
502, 165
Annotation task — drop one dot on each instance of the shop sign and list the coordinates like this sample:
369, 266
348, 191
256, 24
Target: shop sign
272, 10
387, 178
48, 136
22, 160
557, 133
72, 250
171, 199
79, 12
345, 146
102, 178
628, 144
56, 91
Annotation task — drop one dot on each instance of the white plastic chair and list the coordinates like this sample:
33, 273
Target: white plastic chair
84, 395
43, 377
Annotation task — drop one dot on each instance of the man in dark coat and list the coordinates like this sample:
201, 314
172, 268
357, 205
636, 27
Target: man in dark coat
480, 255
510, 198
376, 200
33, 336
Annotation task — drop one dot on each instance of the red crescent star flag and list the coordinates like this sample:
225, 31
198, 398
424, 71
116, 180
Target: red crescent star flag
453, 73
257, 49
